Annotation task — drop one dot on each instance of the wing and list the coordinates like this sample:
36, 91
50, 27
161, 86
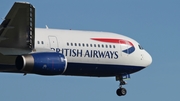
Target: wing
16, 35
7, 64
17, 30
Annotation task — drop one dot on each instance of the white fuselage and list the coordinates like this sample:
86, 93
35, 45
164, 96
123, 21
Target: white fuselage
79, 47
88, 53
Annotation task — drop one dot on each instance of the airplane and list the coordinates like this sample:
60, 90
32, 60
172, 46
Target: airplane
43, 51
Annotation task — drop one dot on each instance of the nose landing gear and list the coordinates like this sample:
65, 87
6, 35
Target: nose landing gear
121, 91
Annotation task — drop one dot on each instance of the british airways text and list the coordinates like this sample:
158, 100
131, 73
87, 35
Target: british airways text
87, 53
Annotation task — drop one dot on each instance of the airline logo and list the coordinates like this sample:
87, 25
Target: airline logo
118, 41
74, 52
78, 52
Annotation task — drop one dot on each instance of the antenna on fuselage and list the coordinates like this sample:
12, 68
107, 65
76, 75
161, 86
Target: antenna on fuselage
47, 27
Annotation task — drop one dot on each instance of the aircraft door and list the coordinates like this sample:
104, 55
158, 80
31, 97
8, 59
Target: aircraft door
53, 42
124, 47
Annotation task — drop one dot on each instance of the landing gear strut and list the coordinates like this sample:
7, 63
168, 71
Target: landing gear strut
121, 91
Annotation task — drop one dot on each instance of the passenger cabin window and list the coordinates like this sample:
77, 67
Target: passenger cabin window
38, 42
114, 46
89, 45
102, 46
42, 42
109, 46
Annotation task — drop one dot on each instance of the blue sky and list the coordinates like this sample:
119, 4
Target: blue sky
153, 23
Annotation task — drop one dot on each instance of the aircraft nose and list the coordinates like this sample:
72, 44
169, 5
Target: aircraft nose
148, 59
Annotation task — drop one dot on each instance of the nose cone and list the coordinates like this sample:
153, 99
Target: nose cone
148, 59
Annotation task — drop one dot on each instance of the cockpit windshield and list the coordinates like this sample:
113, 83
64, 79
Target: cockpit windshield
140, 47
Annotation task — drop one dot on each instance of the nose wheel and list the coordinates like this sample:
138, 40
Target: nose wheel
121, 91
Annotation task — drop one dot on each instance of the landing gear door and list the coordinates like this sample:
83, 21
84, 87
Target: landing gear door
53, 42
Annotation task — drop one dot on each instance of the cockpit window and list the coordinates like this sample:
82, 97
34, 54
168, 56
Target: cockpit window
140, 47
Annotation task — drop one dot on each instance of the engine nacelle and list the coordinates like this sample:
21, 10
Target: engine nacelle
46, 63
